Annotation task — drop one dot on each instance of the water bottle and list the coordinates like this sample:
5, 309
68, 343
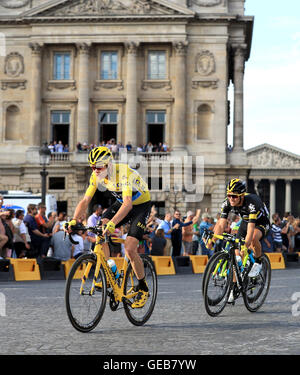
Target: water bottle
239, 261
113, 267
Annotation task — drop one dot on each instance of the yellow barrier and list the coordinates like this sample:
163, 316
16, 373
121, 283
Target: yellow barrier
25, 269
163, 265
199, 263
276, 260
68, 265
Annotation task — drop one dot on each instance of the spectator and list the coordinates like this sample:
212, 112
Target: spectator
235, 220
78, 249
21, 237
187, 233
79, 147
92, 221
267, 243
277, 230
149, 147
167, 228
66, 148
59, 147
52, 217
9, 231
44, 225
3, 236
291, 233
39, 240
195, 239
59, 224
176, 235
205, 224
61, 245
158, 243
129, 146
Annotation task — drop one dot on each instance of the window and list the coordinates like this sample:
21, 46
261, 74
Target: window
157, 65
109, 65
13, 123
155, 126
204, 121
62, 64
57, 183
60, 123
108, 121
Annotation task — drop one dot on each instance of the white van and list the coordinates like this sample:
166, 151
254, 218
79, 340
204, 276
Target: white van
19, 200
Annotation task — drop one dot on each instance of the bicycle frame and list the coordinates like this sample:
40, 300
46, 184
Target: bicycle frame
101, 260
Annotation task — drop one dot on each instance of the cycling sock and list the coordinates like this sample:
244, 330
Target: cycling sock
142, 285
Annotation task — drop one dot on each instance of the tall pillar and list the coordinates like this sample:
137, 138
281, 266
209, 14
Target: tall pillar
131, 95
238, 76
179, 129
36, 95
272, 197
83, 93
256, 182
288, 195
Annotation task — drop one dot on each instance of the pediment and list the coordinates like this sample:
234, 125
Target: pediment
102, 8
270, 157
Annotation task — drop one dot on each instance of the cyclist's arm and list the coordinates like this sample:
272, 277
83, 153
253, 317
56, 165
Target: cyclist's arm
82, 207
220, 226
125, 208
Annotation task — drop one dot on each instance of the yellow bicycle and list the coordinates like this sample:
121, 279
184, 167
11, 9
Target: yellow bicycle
91, 282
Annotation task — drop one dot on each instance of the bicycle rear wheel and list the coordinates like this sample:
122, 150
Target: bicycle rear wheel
218, 280
139, 316
256, 289
85, 308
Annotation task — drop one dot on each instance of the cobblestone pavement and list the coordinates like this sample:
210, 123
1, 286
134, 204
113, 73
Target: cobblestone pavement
36, 322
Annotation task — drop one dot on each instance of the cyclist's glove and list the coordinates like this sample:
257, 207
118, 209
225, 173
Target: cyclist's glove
70, 224
110, 227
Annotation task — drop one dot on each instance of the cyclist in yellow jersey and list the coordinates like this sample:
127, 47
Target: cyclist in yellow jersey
132, 204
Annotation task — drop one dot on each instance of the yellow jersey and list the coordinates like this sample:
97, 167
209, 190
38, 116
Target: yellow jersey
123, 181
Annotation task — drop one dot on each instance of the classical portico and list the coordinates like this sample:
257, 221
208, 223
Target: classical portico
275, 174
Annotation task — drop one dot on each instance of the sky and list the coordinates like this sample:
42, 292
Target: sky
272, 76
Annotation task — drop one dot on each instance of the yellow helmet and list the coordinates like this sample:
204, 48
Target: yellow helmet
236, 186
100, 155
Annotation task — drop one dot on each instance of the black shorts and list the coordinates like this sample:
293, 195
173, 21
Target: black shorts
137, 218
263, 227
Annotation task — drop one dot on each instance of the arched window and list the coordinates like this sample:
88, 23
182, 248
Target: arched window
204, 121
13, 118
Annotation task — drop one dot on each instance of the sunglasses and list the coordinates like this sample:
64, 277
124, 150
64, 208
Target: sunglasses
232, 196
99, 168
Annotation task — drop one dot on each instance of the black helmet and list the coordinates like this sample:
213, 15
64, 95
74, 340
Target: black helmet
236, 186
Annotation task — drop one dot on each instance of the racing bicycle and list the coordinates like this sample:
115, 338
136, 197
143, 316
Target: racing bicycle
218, 276
91, 282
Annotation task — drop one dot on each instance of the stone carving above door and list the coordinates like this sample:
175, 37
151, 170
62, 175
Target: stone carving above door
14, 64
13, 4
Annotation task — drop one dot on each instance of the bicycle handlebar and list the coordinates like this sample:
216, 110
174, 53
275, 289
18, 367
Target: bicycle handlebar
209, 234
97, 229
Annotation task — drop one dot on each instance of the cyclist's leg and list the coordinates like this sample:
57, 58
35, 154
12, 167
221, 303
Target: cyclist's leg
108, 215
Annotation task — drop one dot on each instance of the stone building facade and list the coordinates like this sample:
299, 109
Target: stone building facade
155, 70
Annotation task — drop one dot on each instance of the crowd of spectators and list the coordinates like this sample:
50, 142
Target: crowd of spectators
37, 235
115, 147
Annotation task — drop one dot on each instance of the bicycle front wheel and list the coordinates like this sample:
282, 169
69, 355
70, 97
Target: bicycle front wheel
139, 316
85, 304
256, 289
218, 280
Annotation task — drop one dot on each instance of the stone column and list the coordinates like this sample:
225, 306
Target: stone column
288, 195
272, 198
131, 95
238, 76
256, 182
83, 93
179, 127
36, 95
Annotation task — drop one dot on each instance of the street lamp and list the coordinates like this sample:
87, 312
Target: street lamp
45, 155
